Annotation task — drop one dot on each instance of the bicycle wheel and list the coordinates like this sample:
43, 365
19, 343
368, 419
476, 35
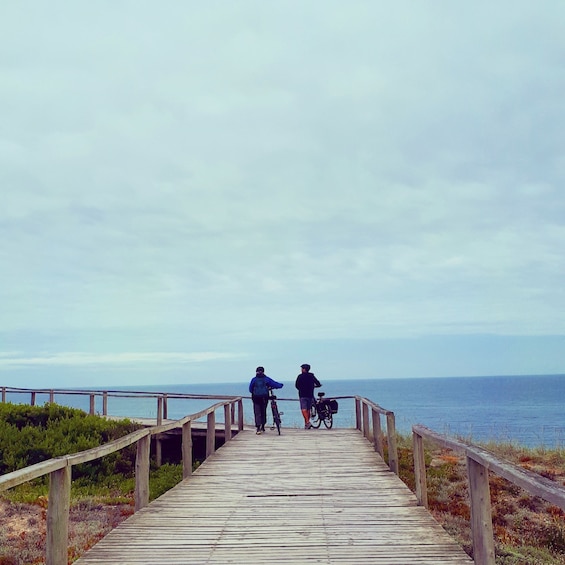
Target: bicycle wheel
328, 419
316, 421
276, 417
312, 411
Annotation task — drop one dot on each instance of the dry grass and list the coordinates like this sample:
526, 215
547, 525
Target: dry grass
528, 530
22, 536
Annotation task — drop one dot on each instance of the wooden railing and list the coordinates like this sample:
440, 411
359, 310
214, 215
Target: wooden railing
59, 470
479, 463
370, 427
368, 421
161, 398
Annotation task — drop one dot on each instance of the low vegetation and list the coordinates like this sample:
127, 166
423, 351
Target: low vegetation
102, 491
528, 530
31, 434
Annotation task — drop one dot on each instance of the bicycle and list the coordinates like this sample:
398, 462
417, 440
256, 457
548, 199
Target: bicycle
276, 414
322, 411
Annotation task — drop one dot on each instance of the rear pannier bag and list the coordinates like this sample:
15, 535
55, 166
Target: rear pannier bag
333, 405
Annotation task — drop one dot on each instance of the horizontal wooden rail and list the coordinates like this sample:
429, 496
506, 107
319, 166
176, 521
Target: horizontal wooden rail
15, 478
374, 431
110, 392
479, 462
161, 397
107, 448
59, 471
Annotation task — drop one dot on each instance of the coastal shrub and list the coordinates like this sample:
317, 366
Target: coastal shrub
164, 478
525, 555
32, 434
527, 529
553, 534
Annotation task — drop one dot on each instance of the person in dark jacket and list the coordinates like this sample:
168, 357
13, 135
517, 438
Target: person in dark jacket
259, 389
306, 382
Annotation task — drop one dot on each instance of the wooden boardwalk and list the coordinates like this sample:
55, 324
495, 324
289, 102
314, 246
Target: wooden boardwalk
307, 496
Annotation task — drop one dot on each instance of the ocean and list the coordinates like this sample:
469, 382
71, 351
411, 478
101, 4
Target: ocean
523, 410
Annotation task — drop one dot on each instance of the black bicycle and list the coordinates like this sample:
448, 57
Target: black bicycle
276, 414
322, 411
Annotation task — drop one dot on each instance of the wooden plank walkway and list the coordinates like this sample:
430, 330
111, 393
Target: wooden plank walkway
307, 496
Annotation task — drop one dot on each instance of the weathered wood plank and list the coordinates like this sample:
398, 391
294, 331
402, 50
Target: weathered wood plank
21, 476
307, 496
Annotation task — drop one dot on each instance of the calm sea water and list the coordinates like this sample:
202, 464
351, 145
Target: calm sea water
526, 410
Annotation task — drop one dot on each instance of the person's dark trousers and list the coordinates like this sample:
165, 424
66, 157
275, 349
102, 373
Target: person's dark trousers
260, 411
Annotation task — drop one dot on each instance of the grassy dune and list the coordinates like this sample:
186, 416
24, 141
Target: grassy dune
528, 530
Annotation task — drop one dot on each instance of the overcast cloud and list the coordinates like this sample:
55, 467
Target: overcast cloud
199, 188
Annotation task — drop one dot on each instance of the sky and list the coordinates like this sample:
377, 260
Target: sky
191, 189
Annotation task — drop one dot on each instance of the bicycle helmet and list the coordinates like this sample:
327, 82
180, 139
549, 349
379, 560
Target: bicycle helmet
260, 370
305, 366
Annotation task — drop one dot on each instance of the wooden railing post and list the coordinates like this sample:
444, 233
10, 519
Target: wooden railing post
160, 405
142, 472
159, 410
211, 434
51, 396
391, 438
92, 404
187, 449
158, 451
365, 409
358, 413
58, 517
227, 421
240, 414
104, 403
481, 516
420, 470
165, 407
32, 401
377, 433
3, 394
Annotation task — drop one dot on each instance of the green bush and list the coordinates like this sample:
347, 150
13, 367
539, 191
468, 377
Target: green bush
163, 479
32, 434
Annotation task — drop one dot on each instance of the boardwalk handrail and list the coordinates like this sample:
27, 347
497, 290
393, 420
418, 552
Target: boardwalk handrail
374, 431
161, 397
59, 469
479, 462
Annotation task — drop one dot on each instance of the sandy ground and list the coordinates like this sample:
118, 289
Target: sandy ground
23, 532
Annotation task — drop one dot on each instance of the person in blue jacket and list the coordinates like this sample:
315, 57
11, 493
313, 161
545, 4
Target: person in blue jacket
259, 389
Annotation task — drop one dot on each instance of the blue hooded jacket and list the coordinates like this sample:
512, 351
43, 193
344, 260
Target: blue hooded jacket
268, 381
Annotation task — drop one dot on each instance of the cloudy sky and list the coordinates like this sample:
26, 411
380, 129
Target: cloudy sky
190, 189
